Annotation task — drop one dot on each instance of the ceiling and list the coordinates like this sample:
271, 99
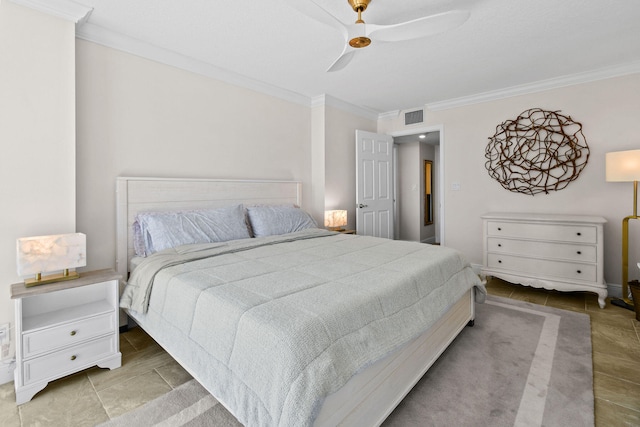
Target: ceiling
505, 44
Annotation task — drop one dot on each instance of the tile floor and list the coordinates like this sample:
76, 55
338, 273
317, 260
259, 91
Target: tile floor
93, 396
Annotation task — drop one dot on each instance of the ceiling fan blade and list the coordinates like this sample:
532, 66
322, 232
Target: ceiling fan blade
314, 11
343, 59
417, 28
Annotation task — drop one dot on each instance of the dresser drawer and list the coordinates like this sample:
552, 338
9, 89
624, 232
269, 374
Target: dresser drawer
48, 339
531, 248
551, 232
543, 268
68, 360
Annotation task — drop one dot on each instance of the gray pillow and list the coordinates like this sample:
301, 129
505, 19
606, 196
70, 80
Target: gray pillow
156, 231
281, 219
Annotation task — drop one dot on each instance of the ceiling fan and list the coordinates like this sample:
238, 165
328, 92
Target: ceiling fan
360, 34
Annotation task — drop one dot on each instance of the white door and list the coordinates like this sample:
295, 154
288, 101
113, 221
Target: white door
374, 184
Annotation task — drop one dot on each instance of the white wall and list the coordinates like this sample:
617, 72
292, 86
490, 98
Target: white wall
410, 190
318, 164
37, 133
340, 160
141, 118
608, 110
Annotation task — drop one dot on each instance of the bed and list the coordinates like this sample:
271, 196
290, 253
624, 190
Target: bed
308, 327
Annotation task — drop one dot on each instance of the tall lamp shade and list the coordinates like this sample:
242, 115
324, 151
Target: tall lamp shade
624, 166
47, 254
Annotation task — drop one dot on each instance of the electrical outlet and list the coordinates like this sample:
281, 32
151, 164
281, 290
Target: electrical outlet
5, 341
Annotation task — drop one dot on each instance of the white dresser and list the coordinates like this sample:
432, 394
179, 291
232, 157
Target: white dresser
562, 252
64, 327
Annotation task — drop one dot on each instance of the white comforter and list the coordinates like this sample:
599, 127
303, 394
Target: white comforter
273, 325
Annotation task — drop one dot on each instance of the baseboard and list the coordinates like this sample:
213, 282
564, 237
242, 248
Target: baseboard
614, 290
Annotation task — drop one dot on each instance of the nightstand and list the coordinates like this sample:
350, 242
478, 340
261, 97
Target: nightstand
63, 328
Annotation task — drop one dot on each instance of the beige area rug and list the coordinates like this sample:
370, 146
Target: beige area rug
520, 365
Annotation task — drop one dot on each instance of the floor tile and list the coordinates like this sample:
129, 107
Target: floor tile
174, 374
609, 414
591, 300
128, 395
573, 301
70, 401
535, 297
125, 345
614, 341
9, 416
138, 338
616, 390
617, 366
133, 365
613, 317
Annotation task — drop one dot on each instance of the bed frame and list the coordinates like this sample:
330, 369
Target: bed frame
371, 395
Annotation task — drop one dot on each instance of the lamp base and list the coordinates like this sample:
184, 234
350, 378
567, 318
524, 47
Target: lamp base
52, 278
622, 303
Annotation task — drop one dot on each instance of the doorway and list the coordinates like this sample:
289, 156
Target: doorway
419, 207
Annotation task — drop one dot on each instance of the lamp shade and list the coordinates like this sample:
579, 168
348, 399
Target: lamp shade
335, 218
623, 166
42, 254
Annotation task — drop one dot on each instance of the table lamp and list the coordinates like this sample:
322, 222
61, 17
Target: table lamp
45, 254
335, 220
624, 166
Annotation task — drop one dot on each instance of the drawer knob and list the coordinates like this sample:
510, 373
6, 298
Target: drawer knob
579, 234
579, 271
499, 245
72, 333
73, 357
499, 229
499, 261
579, 252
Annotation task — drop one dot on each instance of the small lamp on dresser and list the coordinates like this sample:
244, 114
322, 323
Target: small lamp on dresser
335, 220
624, 166
45, 254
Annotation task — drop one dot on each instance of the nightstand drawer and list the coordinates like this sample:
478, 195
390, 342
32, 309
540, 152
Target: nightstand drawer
533, 249
68, 360
543, 268
71, 333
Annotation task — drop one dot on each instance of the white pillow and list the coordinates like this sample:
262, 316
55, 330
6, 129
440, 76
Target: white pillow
156, 231
272, 220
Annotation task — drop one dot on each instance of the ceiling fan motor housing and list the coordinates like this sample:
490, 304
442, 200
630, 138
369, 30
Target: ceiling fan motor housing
359, 5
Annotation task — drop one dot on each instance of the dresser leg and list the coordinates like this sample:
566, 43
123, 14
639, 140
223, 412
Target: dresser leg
112, 362
25, 393
601, 299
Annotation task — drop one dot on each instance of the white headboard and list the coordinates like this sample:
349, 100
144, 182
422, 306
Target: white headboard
135, 195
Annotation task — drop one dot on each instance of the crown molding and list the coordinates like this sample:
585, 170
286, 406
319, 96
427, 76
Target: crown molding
100, 35
325, 100
389, 115
555, 83
78, 13
65, 9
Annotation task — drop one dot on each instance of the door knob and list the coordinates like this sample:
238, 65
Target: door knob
360, 205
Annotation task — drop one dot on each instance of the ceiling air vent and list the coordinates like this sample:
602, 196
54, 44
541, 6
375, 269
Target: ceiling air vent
413, 117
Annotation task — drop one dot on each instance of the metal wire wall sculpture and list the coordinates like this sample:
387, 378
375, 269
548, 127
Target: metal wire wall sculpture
539, 151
